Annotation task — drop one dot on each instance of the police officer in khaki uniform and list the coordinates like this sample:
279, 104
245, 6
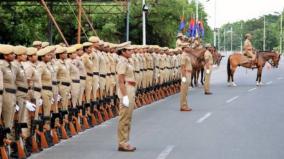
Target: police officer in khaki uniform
248, 48
185, 70
126, 92
208, 68
37, 44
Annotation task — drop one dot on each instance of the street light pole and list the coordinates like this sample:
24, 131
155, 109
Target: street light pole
196, 12
264, 32
144, 22
127, 21
215, 30
281, 31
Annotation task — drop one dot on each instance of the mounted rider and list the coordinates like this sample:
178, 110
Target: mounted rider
248, 49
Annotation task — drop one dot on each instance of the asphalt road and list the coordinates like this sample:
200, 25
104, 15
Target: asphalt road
243, 122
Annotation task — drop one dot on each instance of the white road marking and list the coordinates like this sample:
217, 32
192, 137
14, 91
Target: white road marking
280, 78
250, 90
165, 153
232, 99
207, 115
268, 83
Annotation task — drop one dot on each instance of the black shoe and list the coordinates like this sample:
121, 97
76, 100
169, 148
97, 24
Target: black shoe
208, 93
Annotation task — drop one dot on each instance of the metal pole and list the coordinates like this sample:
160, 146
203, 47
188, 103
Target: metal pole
281, 31
127, 21
53, 20
79, 21
49, 25
89, 21
231, 39
224, 40
144, 23
264, 36
241, 37
215, 17
196, 12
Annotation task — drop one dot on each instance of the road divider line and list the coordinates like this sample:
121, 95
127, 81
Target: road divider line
207, 115
232, 99
165, 153
250, 90
268, 83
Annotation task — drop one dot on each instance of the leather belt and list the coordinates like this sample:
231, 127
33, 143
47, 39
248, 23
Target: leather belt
82, 78
108, 74
49, 88
132, 83
1, 91
76, 81
55, 82
112, 74
90, 74
11, 90
65, 83
137, 71
96, 73
102, 75
37, 89
23, 89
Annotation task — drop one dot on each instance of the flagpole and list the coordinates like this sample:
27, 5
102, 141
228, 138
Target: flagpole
196, 13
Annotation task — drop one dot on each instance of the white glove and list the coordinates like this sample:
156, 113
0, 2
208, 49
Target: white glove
30, 106
39, 102
183, 79
208, 71
125, 101
17, 108
58, 98
52, 100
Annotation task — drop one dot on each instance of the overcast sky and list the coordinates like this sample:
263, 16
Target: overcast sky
235, 10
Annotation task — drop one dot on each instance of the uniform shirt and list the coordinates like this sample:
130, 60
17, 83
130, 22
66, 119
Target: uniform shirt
46, 75
186, 61
9, 74
63, 72
88, 64
247, 45
208, 56
21, 80
178, 43
81, 67
53, 70
125, 68
96, 61
74, 70
103, 64
33, 75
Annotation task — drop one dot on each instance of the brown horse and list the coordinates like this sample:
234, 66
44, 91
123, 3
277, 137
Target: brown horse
262, 57
198, 61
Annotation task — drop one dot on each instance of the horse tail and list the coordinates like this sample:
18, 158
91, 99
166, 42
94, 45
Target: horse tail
229, 72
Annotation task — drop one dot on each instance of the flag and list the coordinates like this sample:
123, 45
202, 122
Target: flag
201, 29
191, 28
182, 23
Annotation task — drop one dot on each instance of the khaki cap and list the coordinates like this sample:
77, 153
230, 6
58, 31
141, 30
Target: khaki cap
44, 51
44, 44
6, 49
60, 50
52, 48
94, 39
85, 44
101, 43
78, 46
125, 45
248, 35
179, 35
71, 50
36, 43
31, 51
20, 50
208, 45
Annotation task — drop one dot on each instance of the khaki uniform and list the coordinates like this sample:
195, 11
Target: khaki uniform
103, 74
46, 94
9, 94
95, 56
248, 49
186, 63
34, 78
125, 113
21, 95
63, 76
112, 64
178, 43
1, 90
55, 83
208, 57
88, 64
75, 85
83, 75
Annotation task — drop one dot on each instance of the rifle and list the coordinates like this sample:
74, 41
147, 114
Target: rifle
3, 135
18, 132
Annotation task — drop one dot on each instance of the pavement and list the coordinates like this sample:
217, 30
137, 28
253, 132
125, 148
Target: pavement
243, 122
